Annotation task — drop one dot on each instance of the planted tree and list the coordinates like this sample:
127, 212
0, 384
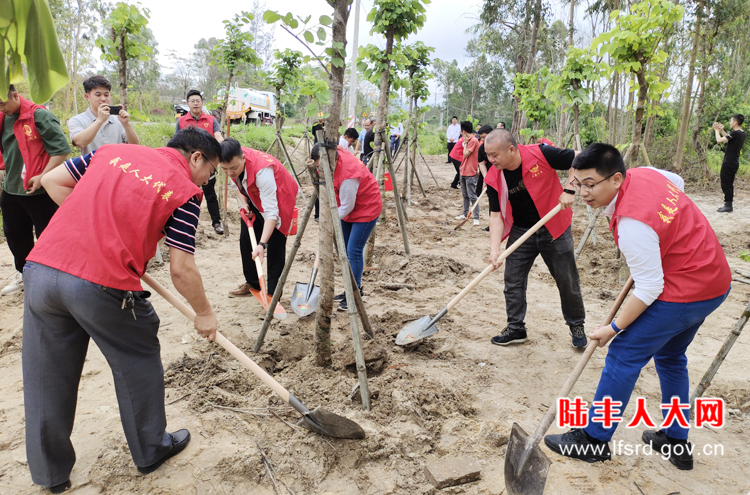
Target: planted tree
634, 46
122, 43
529, 93
233, 53
285, 79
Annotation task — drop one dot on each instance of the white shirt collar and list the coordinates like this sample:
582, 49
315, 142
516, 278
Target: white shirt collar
610, 209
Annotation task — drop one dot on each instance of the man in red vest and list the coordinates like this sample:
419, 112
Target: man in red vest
522, 187
681, 276
31, 144
270, 192
83, 282
196, 118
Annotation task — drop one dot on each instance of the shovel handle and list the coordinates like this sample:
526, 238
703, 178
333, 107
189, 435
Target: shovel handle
254, 244
220, 339
554, 211
576, 373
471, 210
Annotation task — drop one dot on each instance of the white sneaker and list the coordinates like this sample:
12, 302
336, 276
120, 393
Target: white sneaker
476, 222
15, 286
460, 217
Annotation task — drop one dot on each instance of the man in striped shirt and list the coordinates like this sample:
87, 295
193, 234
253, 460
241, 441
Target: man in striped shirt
83, 282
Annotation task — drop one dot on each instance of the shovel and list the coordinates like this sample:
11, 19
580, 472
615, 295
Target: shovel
319, 420
262, 296
526, 465
424, 327
305, 296
471, 210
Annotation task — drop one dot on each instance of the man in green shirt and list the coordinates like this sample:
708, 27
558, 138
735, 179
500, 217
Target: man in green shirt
26, 211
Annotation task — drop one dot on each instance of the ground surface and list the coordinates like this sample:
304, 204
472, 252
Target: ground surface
452, 394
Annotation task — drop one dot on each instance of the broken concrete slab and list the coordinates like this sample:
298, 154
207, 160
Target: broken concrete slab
451, 471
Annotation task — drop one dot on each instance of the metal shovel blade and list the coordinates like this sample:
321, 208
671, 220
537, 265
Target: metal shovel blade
533, 475
300, 304
331, 425
416, 330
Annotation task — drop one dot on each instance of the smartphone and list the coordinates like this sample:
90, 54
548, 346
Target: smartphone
115, 109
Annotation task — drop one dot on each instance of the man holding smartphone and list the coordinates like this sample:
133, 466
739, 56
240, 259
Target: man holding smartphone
101, 123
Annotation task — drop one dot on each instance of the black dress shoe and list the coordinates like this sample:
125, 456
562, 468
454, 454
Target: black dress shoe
218, 229
62, 487
579, 445
180, 439
680, 452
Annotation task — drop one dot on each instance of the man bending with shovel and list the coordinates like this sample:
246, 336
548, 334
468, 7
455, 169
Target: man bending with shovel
681, 276
269, 192
522, 187
83, 282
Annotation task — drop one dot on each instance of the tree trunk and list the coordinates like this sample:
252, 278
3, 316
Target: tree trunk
225, 103
122, 67
639, 110
677, 163
325, 233
697, 146
571, 22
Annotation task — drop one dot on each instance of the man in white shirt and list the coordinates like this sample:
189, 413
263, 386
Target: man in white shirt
396, 137
348, 139
452, 135
96, 126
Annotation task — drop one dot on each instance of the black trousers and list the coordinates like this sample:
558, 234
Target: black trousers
275, 254
457, 166
480, 183
22, 217
728, 171
209, 192
450, 148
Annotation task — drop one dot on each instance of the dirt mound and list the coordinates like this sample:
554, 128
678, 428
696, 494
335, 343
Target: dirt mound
418, 269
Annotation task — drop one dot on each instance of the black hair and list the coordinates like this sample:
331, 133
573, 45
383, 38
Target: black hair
485, 129
315, 152
193, 92
230, 148
96, 82
11, 90
504, 126
454, 117
192, 139
605, 158
351, 133
739, 118
467, 126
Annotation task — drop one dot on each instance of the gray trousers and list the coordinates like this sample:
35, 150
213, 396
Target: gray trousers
558, 254
469, 192
61, 313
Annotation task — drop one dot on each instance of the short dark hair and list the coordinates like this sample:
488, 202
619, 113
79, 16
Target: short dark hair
454, 117
485, 129
739, 118
315, 152
193, 92
96, 82
230, 148
501, 122
11, 90
192, 139
351, 133
605, 158
467, 126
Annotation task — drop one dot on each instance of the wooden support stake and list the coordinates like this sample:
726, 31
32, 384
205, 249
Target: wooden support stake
589, 230
291, 165
744, 273
399, 206
645, 155
287, 266
349, 285
725, 348
427, 165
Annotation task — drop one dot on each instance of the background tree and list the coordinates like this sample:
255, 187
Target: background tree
285, 79
125, 24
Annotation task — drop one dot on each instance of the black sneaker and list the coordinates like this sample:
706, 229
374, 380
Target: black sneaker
62, 487
508, 337
342, 305
180, 439
339, 297
727, 208
679, 451
579, 445
486, 229
578, 336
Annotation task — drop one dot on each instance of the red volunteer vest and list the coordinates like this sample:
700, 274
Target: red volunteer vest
286, 187
205, 122
369, 204
457, 153
108, 228
694, 264
544, 187
30, 144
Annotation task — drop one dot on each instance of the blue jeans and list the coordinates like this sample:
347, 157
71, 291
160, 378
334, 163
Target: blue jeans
355, 238
663, 332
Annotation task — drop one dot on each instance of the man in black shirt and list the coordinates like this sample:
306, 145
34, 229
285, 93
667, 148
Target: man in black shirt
367, 146
735, 139
537, 166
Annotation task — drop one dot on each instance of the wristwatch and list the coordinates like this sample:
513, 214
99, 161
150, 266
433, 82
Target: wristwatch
569, 191
264, 244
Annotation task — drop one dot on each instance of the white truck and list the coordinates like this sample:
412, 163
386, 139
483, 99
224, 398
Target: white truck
251, 106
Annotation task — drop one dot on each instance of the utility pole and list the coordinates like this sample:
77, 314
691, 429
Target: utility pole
353, 79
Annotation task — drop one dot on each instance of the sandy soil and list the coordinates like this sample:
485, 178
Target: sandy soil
452, 394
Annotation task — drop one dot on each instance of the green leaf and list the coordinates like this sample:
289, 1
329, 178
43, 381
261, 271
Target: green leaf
338, 62
321, 34
270, 16
309, 37
325, 20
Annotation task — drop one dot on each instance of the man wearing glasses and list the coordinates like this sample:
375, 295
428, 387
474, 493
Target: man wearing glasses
269, 191
83, 283
523, 186
196, 118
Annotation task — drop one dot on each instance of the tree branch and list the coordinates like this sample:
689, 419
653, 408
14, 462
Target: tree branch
310, 49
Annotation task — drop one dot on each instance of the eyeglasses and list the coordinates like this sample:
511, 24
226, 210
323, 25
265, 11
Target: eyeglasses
195, 101
588, 187
215, 172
